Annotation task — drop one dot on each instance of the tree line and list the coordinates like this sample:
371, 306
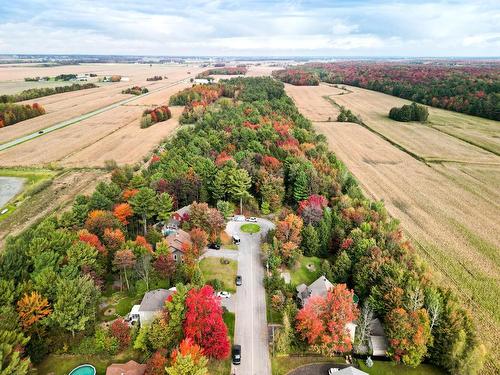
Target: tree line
11, 113
45, 91
297, 77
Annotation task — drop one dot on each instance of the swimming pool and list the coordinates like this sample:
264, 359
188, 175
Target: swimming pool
83, 370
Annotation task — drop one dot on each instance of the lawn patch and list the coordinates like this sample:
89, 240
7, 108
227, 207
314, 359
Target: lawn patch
391, 368
306, 270
250, 228
212, 268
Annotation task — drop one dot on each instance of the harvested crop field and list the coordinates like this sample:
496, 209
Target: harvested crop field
114, 134
449, 136
449, 209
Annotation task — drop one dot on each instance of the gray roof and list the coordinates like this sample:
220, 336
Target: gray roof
319, 287
351, 371
155, 299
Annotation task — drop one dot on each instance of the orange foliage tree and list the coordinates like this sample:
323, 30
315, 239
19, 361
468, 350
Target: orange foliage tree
31, 308
122, 212
322, 321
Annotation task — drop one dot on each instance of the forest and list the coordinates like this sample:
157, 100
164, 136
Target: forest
249, 143
12, 113
469, 89
297, 77
44, 91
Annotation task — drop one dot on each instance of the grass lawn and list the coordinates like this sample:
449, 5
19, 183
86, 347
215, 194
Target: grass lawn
273, 316
229, 319
285, 364
300, 274
63, 364
122, 302
212, 268
250, 228
390, 368
223, 367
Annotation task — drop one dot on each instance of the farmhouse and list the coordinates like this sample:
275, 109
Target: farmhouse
320, 287
151, 304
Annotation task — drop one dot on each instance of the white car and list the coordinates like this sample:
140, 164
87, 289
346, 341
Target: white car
223, 294
251, 219
333, 370
239, 218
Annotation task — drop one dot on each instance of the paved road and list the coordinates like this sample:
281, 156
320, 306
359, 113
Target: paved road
85, 116
251, 323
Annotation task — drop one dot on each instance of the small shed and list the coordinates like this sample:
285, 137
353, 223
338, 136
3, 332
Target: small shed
377, 339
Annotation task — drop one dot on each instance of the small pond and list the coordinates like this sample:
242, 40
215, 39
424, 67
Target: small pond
9, 188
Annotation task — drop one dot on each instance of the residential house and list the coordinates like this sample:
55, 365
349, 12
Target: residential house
152, 303
178, 216
177, 240
320, 287
129, 368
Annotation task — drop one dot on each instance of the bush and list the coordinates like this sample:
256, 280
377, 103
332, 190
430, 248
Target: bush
152, 116
412, 112
346, 115
216, 284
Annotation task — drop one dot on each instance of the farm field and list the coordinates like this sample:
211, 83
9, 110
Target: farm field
450, 210
451, 136
114, 134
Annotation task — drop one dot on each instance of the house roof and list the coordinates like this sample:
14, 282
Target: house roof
176, 239
176, 217
129, 368
351, 371
154, 300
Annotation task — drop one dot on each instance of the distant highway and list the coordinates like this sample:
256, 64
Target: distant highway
85, 116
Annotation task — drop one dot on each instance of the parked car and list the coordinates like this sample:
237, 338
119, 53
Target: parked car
214, 246
239, 217
251, 219
239, 280
236, 354
236, 240
223, 294
333, 370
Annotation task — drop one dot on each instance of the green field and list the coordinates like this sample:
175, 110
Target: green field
300, 274
212, 268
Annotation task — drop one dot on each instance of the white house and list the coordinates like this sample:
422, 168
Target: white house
152, 303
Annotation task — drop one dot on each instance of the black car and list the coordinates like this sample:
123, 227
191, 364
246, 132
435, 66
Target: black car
236, 354
238, 280
214, 246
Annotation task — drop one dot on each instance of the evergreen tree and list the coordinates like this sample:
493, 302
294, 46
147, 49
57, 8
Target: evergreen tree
310, 241
145, 204
301, 187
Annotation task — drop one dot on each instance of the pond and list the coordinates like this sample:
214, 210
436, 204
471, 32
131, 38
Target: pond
9, 188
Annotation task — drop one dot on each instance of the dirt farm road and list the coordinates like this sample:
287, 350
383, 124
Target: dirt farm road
77, 119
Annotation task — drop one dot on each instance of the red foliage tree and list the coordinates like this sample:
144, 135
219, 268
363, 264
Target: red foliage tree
204, 324
141, 241
113, 238
85, 236
121, 331
322, 321
165, 264
122, 212
129, 193
156, 364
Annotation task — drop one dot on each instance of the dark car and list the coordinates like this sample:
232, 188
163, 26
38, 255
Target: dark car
214, 246
40, 132
239, 281
236, 354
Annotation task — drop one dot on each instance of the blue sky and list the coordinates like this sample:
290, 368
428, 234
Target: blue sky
277, 28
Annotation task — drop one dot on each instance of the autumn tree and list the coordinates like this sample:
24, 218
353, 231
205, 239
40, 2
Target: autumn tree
123, 211
121, 331
408, 334
204, 323
124, 260
199, 238
32, 308
164, 265
322, 321
156, 363
113, 238
99, 220
188, 359
145, 204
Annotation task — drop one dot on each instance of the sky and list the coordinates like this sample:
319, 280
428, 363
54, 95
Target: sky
251, 28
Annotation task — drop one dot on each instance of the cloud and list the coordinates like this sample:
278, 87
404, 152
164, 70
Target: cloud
286, 27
